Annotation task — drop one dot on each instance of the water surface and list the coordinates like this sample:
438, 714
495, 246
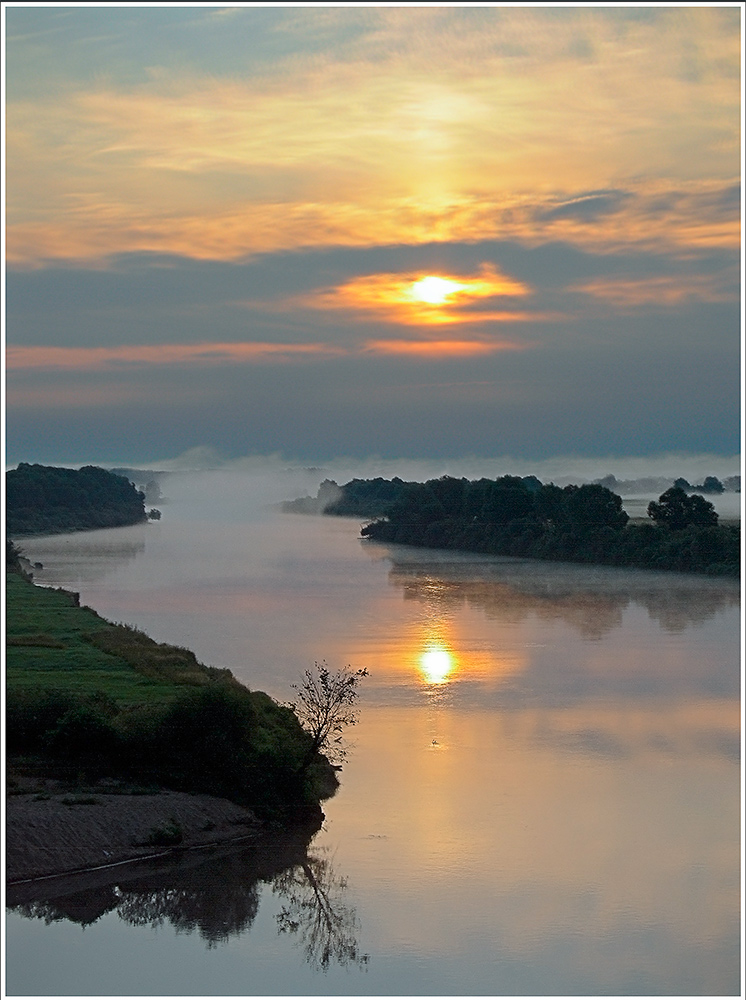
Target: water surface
543, 797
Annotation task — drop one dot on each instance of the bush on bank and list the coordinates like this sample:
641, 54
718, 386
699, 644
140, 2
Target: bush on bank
217, 739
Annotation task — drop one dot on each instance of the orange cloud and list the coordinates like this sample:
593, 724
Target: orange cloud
441, 348
89, 229
423, 130
120, 357
665, 290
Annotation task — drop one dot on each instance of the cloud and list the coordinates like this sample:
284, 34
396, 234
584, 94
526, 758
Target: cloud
685, 218
421, 297
384, 126
279, 181
441, 349
147, 355
122, 358
586, 207
663, 291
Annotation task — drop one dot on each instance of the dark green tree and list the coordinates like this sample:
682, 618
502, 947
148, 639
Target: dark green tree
711, 485
594, 506
549, 504
675, 510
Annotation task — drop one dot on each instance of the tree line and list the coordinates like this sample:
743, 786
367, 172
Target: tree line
520, 516
42, 499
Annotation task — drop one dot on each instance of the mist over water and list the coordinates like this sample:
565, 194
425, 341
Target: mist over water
640, 479
561, 469
544, 796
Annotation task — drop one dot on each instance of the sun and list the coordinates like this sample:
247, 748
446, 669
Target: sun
434, 290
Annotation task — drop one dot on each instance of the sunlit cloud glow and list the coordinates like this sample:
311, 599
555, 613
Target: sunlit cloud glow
424, 299
43, 358
90, 227
426, 128
434, 349
406, 229
120, 357
665, 291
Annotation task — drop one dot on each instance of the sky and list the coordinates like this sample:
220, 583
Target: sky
397, 231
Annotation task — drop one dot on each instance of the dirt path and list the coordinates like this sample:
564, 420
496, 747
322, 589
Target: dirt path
49, 836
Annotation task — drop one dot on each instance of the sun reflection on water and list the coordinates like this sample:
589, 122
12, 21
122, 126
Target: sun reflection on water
437, 664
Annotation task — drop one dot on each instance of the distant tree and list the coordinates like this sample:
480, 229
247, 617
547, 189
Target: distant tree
701, 512
682, 484
449, 493
711, 485
592, 505
549, 504
609, 481
12, 556
532, 484
507, 499
676, 510
576, 523
42, 498
325, 708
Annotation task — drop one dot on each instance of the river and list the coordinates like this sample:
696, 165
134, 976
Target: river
543, 797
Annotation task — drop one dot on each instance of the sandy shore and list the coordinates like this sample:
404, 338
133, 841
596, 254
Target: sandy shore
47, 836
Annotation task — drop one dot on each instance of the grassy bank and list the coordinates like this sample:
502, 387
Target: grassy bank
52, 643
91, 700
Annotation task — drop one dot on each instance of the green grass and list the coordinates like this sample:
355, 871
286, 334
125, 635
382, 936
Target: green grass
87, 700
53, 643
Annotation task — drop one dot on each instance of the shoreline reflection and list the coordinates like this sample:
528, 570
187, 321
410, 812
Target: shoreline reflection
592, 600
215, 893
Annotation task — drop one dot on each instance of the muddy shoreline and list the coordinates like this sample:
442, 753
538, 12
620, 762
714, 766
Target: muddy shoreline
65, 833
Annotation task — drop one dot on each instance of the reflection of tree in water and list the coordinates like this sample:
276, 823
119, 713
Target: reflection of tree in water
217, 896
315, 909
217, 912
72, 559
591, 601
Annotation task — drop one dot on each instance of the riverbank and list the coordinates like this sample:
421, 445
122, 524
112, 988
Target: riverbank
60, 833
94, 709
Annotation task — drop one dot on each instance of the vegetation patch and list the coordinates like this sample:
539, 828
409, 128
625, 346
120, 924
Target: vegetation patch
156, 660
43, 641
523, 517
42, 499
68, 659
105, 703
169, 834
